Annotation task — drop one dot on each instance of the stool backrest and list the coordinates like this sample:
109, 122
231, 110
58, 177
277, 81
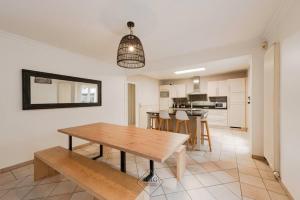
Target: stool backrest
181, 115
164, 114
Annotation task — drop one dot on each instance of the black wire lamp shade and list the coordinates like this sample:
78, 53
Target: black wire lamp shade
130, 52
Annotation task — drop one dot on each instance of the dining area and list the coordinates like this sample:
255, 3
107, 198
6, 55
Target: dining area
88, 173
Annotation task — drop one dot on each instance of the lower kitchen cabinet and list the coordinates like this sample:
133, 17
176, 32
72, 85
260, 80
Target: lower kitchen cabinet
237, 115
217, 117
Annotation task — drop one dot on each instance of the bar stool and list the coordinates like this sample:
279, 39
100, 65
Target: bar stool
154, 122
204, 125
182, 118
164, 118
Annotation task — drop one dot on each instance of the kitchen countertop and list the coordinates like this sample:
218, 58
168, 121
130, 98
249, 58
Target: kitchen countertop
200, 108
193, 113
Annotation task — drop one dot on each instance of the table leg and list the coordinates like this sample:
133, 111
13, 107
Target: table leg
151, 174
101, 153
123, 161
70, 143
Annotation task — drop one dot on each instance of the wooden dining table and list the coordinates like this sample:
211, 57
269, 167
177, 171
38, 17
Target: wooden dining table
151, 144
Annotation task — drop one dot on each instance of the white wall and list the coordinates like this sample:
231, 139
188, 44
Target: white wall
257, 103
147, 96
287, 33
24, 132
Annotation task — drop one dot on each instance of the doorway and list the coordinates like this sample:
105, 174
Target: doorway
131, 104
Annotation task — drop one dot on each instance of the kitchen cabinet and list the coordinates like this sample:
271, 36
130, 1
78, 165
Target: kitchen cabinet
223, 88
189, 88
180, 90
237, 113
217, 88
212, 88
217, 117
165, 100
167, 92
237, 102
237, 85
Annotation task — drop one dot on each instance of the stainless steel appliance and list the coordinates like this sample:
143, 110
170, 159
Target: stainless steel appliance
221, 105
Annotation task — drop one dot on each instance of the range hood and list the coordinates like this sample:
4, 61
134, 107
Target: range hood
196, 95
196, 85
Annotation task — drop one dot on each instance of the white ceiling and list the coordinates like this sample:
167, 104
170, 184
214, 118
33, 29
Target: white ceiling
167, 28
214, 67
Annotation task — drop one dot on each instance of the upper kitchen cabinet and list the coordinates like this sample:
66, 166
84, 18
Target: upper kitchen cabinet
189, 87
180, 90
223, 88
176, 91
167, 92
217, 88
237, 85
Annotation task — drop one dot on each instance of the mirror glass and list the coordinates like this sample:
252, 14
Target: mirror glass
44, 90
48, 91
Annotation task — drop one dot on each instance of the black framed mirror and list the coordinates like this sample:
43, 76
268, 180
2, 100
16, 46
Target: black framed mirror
43, 90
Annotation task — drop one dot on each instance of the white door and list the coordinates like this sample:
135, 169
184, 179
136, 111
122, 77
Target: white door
271, 107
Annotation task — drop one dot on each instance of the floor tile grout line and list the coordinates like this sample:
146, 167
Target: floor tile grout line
266, 186
11, 172
262, 180
28, 192
4, 194
238, 171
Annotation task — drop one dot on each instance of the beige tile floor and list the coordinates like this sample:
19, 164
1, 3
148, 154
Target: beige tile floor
227, 173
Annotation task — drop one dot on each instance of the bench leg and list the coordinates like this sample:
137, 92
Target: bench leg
151, 174
123, 161
180, 157
41, 170
100, 153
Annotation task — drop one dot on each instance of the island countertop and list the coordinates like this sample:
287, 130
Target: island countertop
195, 117
191, 113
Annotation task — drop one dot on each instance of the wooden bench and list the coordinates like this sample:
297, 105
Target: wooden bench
181, 161
98, 179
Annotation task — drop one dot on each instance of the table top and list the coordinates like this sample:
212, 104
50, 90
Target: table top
148, 143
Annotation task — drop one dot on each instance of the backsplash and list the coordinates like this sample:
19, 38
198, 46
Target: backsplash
218, 99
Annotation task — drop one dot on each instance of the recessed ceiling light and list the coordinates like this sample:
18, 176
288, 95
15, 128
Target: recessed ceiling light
190, 70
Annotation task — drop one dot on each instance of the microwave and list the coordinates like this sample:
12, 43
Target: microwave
221, 105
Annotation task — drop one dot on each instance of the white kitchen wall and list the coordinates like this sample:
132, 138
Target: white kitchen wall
147, 97
24, 132
286, 31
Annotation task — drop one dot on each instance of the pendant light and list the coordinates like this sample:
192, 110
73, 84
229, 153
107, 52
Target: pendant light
130, 52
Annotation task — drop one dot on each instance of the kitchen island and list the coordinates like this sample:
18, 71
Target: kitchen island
195, 116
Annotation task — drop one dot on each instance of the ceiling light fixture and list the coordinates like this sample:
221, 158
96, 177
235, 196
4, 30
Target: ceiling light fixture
190, 71
196, 81
130, 52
